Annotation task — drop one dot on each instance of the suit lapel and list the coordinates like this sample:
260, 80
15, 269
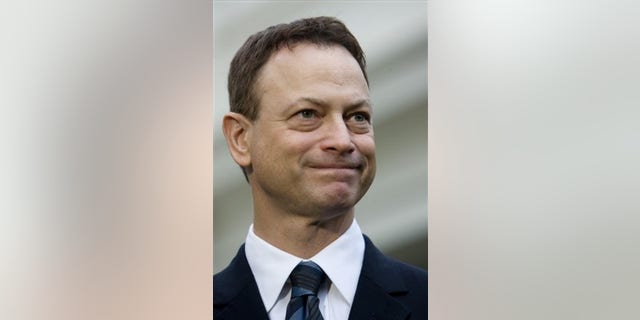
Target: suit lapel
246, 305
377, 284
235, 292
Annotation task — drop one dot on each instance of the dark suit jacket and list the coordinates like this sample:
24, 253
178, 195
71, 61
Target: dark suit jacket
387, 290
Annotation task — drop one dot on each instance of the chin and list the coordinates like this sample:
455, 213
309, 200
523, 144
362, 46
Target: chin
337, 203
334, 197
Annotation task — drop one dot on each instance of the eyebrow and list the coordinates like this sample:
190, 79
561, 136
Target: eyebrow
323, 103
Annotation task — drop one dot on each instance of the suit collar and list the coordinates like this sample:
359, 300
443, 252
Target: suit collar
377, 285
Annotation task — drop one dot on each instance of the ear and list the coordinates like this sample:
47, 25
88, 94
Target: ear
237, 132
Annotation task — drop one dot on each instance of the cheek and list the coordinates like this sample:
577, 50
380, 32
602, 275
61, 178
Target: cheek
298, 143
366, 146
280, 150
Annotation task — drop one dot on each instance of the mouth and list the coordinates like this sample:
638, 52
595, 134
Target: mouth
335, 166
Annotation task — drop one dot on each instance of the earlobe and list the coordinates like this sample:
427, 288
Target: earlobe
237, 132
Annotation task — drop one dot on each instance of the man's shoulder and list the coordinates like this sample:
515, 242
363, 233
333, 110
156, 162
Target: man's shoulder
235, 292
235, 276
390, 286
407, 270
374, 255
221, 281
376, 261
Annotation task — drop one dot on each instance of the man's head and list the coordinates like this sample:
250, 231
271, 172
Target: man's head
300, 120
253, 55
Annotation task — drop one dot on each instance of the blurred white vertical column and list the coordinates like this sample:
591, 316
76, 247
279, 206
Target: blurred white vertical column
21, 159
534, 156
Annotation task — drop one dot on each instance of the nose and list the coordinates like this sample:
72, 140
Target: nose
338, 137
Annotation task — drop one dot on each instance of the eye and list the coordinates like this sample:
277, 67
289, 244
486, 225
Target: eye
360, 117
359, 122
307, 114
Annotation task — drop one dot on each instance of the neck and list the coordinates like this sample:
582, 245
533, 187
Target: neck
301, 236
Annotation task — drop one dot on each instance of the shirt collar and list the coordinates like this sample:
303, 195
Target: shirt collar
271, 266
342, 261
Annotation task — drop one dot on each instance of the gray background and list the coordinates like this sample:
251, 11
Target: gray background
394, 38
534, 160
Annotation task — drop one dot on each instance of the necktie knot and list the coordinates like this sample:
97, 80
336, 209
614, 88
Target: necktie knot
306, 279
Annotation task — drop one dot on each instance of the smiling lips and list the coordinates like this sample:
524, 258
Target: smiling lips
338, 166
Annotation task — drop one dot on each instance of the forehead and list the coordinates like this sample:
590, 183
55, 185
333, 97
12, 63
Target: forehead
311, 55
307, 66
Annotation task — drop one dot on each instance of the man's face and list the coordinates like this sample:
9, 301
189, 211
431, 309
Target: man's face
312, 146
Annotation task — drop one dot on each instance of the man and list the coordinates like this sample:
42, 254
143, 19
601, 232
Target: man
300, 127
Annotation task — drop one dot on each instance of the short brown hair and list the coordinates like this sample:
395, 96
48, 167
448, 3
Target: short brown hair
257, 50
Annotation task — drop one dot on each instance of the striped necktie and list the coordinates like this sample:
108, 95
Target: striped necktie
306, 279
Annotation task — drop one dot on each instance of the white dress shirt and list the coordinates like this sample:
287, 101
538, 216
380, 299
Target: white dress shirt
341, 261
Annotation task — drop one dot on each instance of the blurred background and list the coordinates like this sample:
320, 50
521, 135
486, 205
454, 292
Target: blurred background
105, 168
534, 159
394, 38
